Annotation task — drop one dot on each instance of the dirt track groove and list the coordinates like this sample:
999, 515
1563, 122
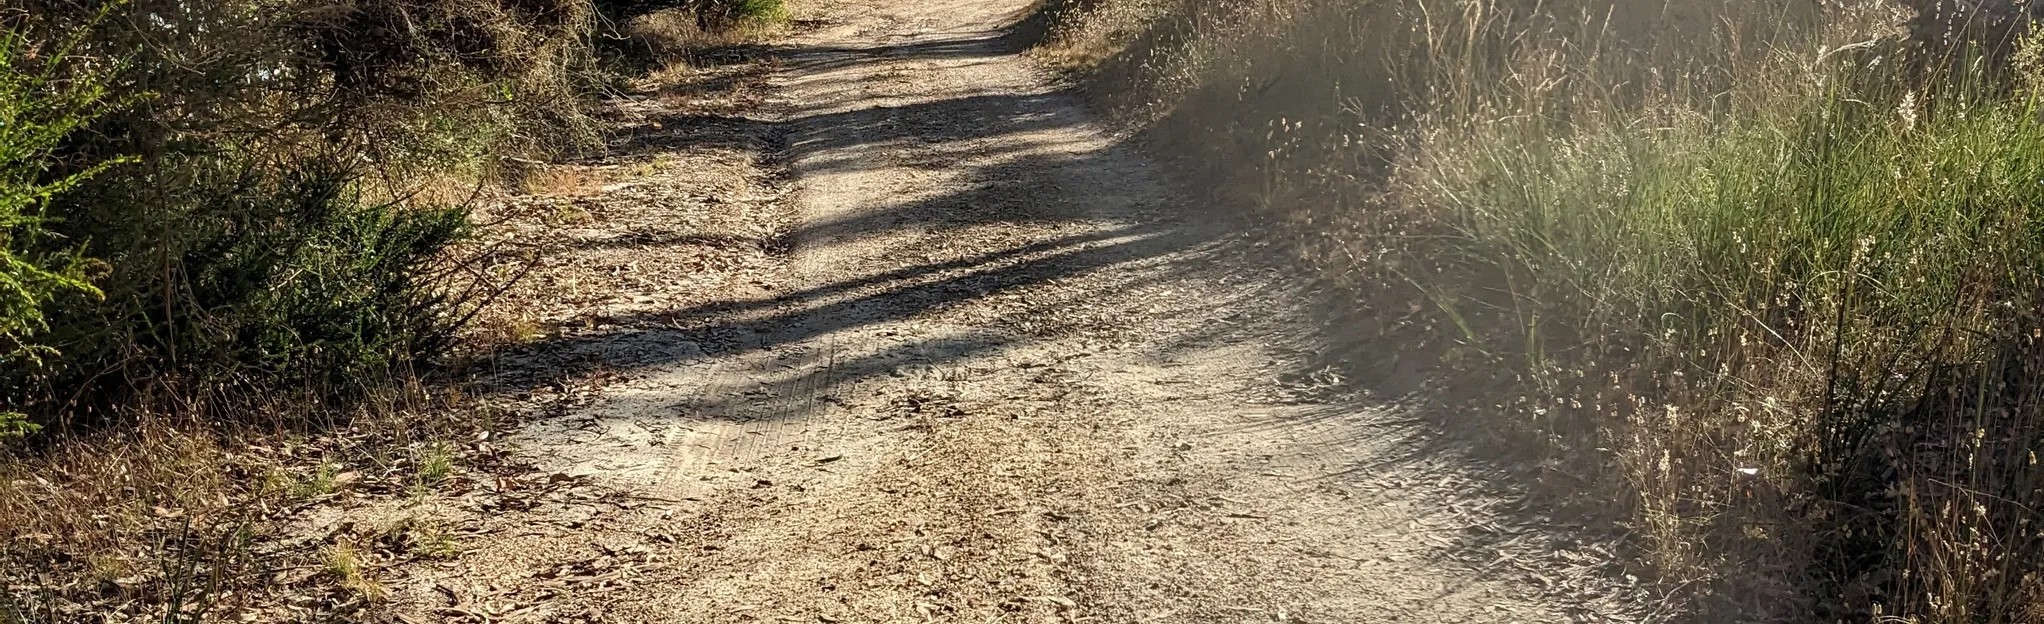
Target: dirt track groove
1002, 374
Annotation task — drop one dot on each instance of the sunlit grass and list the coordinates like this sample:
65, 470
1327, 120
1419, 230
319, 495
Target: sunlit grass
1822, 275
1778, 273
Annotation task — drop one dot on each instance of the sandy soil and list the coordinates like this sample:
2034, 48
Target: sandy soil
914, 339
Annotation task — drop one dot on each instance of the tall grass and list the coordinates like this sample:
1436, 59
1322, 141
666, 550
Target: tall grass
1773, 277
1826, 281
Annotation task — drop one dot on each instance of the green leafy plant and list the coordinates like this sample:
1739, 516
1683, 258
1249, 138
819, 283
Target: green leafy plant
15, 425
40, 105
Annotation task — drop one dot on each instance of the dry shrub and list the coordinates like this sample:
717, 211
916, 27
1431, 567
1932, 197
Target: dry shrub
663, 37
671, 33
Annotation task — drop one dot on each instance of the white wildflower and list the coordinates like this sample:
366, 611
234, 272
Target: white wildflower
1907, 109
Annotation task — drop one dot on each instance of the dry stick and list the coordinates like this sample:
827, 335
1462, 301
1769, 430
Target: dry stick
468, 266
506, 287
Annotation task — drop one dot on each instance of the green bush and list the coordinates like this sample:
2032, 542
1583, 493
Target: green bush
762, 9
39, 107
267, 237
293, 281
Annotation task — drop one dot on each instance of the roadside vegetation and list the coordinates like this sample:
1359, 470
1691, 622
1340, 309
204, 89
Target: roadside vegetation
236, 258
1770, 275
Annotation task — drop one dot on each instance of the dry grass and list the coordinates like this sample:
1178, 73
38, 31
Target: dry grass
563, 181
672, 43
674, 52
1738, 265
343, 565
673, 34
182, 520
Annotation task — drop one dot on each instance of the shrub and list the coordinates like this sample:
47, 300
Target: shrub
267, 237
723, 13
39, 106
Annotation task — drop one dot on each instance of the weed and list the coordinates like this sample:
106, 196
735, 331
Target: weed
569, 214
421, 537
343, 564
435, 462
515, 332
435, 543
561, 181
322, 481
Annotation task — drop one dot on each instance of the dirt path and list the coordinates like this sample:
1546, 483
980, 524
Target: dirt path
988, 368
